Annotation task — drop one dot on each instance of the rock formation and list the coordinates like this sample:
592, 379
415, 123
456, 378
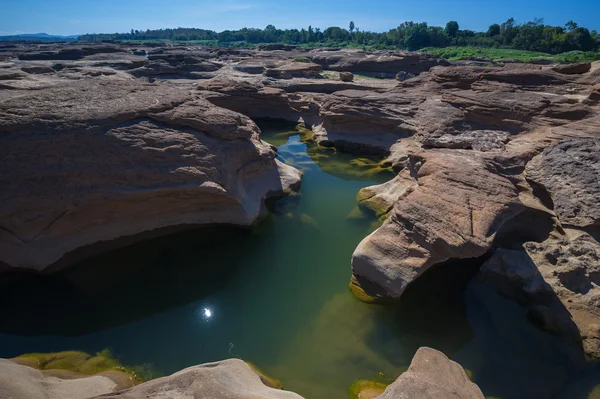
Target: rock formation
432, 375
23, 382
227, 379
96, 159
489, 157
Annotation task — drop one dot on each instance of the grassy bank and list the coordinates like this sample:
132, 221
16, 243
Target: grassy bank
465, 53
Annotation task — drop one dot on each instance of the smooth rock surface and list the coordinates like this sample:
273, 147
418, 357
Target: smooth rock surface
346, 76
432, 375
222, 380
22, 382
573, 69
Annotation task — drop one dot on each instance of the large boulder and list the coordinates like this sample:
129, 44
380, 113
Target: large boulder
253, 68
249, 98
449, 204
294, 69
432, 375
364, 121
573, 69
23, 382
222, 380
92, 161
346, 76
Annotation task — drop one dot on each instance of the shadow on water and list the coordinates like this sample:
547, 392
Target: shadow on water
433, 309
123, 285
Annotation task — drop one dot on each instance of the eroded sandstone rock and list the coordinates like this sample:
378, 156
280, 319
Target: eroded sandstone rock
390, 62
222, 380
18, 381
558, 280
346, 76
432, 375
571, 266
91, 161
426, 228
570, 172
226, 379
294, 69
477, 148
573, 69
493, 150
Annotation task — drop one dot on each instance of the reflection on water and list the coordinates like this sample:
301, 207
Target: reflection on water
277, 296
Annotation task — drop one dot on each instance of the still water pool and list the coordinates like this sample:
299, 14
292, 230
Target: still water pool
277, 296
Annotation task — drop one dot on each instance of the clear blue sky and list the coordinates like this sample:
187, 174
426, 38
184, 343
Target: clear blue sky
65, 17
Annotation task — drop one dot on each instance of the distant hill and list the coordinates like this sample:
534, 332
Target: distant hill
44, 37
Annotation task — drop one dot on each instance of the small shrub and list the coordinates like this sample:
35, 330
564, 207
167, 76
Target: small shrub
301, 59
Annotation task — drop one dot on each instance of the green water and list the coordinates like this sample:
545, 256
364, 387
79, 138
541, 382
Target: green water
278, 297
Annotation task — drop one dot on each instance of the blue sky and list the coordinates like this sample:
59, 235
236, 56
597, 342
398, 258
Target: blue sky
66, 17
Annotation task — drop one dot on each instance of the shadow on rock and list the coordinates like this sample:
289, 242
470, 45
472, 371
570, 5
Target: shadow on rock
434, 303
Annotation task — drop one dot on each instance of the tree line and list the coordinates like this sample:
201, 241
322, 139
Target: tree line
533, 35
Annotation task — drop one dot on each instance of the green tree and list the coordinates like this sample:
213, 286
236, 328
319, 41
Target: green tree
311, 34
508, 31
270, 34
451, 29
304, 35
351, 27
416, 36
335, 33
571, 26
318, 35
493, 30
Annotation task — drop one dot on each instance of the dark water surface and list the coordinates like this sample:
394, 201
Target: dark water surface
278, 296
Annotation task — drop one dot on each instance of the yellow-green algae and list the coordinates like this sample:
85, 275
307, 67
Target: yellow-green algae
265, 378
359, 293
331, 161
469, 374
346, 166
271, 132
367, 200
356, 214
366, 389
78, 362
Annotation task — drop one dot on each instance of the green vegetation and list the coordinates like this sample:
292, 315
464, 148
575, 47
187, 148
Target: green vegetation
465, 53
357, 75
265, 378
366, 389
80, 362
301, 59
530, 36
360, 293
